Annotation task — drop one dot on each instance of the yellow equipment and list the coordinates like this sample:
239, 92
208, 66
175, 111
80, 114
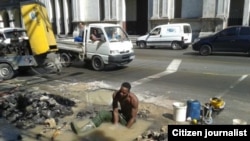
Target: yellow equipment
41, 52
217, 102
39, 29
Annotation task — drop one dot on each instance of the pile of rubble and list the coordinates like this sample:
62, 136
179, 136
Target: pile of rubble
26, 107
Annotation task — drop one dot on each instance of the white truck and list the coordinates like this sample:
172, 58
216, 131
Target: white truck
113, 47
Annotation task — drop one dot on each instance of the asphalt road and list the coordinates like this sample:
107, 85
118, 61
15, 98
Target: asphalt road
163, 75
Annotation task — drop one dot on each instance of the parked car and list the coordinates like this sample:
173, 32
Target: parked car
230, 39
177, 36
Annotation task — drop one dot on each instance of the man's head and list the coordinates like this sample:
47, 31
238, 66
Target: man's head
126, 85
125, 89
95, 31
81, 25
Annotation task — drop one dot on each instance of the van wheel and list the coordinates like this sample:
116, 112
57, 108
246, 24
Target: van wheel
175, 45
142, 44
6, 71
97, 63
205, 50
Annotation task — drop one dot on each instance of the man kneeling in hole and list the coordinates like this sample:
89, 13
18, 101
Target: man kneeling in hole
126, 115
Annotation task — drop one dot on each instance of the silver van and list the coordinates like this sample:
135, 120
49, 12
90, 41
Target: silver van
176, 36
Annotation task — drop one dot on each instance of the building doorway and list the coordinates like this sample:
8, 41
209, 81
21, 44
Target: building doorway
236, 12
142, 17
54, 17
61, 19
178, 9
136, 17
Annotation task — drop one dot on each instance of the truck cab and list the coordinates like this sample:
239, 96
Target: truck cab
112, 47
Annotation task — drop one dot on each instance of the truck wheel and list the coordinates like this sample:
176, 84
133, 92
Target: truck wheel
205, 50
6, 71
142, 44
175, 45
65, 59
97, 63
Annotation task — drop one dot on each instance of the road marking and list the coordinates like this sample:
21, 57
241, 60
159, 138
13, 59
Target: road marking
238, 81
234, 84
172, 68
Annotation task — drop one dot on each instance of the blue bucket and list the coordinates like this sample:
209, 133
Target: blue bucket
193, 109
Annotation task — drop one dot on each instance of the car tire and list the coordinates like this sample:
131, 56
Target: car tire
205, 50
97, 63
142, 44
248, 53
175, 45
6, 71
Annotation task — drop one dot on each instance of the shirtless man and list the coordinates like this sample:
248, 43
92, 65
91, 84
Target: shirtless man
126, 115
128, 103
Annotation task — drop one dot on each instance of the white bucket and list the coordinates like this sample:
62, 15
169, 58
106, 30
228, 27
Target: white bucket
180, 111
239, 122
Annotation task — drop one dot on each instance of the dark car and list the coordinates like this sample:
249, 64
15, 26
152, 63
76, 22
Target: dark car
230, 39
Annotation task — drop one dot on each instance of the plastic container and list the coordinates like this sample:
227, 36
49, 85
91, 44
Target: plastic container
193, 109
180, 111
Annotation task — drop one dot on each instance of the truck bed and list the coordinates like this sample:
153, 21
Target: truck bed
70, 45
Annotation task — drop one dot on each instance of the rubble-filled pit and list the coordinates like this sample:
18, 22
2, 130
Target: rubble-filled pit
44, 112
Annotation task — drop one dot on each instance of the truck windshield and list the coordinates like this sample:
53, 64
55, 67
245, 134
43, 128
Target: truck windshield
15, 34
116, 34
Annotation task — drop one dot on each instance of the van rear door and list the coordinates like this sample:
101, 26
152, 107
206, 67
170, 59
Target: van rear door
187, 34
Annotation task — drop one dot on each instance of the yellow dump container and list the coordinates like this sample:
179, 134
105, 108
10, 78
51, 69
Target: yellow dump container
39, 28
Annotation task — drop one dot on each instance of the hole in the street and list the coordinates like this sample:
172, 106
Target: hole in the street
28, 109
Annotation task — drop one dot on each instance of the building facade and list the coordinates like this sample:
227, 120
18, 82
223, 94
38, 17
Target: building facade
136, 16
205, 16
